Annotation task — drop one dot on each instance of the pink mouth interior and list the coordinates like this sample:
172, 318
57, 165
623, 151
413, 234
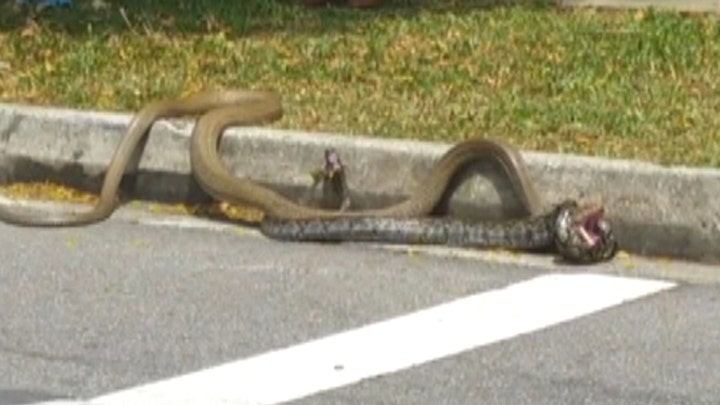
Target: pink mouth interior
590, 229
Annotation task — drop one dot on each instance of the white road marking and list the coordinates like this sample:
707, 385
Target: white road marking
185, 222
395, 344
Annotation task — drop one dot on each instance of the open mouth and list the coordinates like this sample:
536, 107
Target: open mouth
589, 226
332, 161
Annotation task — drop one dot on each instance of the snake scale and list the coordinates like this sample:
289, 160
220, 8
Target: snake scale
221, 109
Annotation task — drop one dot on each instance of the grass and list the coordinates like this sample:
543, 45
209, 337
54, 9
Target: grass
626, 84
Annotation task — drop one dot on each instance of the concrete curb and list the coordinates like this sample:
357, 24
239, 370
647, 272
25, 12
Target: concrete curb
666, 211
697, 6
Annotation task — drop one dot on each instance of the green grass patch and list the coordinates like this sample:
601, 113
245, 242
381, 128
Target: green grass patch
629, 84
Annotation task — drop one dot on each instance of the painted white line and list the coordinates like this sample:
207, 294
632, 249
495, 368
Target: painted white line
184, 222
395, 344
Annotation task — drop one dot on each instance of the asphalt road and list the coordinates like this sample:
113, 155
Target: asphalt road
89, 311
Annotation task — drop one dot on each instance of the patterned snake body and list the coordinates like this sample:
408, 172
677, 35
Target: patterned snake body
578, 233
530, 233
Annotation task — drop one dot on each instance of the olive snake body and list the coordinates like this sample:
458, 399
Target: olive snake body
221, 109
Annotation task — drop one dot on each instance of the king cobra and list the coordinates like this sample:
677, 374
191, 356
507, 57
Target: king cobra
221, 109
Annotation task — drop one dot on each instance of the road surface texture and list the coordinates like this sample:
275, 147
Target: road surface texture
150, 309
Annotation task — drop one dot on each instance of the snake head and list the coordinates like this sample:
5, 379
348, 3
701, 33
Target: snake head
582, 234
333, 164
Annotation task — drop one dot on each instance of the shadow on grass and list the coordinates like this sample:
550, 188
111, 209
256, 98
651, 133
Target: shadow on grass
235, 18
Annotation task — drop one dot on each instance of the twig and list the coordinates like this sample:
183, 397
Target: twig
127, 20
